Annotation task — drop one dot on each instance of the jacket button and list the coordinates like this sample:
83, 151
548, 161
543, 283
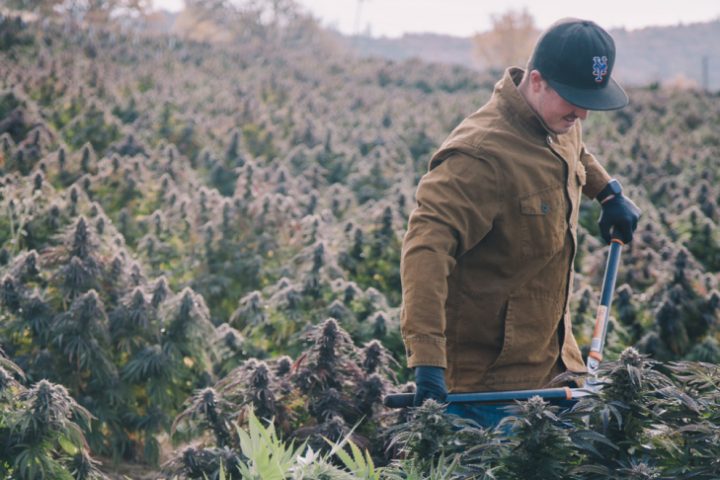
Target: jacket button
544, 207
549, 140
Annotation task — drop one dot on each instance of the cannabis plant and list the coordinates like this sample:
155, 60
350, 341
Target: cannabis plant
431, 440
539, 442
692, 439
39, 434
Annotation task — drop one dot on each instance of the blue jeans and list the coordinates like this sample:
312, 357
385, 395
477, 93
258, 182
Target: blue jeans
488, 415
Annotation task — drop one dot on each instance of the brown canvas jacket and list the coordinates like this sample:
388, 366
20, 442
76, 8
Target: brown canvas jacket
486, 262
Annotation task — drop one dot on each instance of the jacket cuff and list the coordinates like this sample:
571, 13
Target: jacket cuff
422, 350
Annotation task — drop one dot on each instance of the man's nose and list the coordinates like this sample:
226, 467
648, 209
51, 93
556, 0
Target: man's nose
581, 113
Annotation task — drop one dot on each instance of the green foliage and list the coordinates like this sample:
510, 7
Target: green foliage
11, 109
177, 131
641, 423
376, 263
261, 454
179, 220
434, 445
40, 436
332, 386
259, 141
127, 113
360, 464
540, 446
65, 111
91, 127
83, 321
13, 32
19, 206
704, 242
267, 456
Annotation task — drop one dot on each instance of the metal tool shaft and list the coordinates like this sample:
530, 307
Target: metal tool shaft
597, 344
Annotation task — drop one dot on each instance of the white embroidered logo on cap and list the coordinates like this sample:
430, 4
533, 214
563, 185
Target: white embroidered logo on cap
600, 68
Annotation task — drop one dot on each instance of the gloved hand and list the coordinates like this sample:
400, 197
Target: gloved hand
429, 383
618, 218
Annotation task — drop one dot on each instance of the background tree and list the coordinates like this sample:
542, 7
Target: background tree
508, 43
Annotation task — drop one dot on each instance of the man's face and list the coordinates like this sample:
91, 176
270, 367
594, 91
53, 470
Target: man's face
558, 114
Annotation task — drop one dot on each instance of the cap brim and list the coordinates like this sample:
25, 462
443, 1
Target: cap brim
611, 97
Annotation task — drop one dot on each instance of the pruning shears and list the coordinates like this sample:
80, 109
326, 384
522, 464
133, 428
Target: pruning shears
594, 358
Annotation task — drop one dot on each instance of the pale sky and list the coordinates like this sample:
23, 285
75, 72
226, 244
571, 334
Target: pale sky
466, 17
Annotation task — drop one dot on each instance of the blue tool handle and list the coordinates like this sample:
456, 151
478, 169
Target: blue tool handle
611, 271
597, 344
400, 400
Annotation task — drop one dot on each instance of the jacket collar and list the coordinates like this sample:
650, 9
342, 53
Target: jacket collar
514, 106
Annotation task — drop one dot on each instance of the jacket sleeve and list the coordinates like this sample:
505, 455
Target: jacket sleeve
597, 177
456, 204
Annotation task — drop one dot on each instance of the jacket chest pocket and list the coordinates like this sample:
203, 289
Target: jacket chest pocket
542, 222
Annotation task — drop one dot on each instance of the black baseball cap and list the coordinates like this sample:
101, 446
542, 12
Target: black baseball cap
576, 58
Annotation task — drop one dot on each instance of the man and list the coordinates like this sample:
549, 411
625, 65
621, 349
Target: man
487, 259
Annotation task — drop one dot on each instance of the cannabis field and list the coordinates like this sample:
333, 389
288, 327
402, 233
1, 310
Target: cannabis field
199, 267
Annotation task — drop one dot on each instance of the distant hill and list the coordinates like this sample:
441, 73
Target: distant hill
663, 53
668, 55
429, 47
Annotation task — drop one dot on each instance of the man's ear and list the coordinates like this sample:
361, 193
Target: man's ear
537, 82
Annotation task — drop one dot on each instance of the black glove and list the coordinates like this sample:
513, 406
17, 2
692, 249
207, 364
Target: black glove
429, 383
618, 218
